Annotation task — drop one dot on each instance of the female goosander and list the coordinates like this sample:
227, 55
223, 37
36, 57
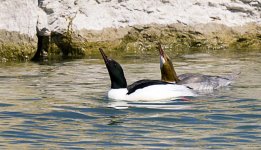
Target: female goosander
195, 81
140, 90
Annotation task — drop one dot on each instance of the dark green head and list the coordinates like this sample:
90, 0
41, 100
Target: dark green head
115, 71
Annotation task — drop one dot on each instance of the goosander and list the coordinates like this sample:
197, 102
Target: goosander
196, 81
142, 89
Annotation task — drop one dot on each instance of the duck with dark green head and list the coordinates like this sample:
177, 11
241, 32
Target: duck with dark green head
193, 80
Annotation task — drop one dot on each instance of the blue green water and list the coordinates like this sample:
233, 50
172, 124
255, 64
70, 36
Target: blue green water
63, 105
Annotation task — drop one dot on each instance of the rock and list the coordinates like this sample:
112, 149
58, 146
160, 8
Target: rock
19, 16
112, 23
42, 26
17, 29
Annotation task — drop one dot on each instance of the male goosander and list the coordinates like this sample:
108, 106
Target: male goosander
142, 89
195, 81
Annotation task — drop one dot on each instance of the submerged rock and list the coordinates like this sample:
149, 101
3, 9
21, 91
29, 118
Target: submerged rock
75, 27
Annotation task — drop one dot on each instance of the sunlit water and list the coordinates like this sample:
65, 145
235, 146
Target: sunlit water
63, 105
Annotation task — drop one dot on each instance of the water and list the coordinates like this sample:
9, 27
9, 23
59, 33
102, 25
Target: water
63, 105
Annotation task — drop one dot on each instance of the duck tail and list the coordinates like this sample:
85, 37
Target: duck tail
233, 76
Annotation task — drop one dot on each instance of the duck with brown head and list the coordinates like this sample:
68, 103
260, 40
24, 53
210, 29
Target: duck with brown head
168, 72
199, 82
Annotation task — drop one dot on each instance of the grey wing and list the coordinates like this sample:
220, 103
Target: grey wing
192, 78
203, 82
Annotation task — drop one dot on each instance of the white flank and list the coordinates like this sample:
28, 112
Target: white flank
150, 93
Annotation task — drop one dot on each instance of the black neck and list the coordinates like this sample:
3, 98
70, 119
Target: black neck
118, 82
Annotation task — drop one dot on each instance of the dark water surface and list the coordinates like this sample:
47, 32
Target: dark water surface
62, 105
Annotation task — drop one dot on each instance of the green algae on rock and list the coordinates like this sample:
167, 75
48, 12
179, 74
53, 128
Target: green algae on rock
136, 39
182, 37
15, 46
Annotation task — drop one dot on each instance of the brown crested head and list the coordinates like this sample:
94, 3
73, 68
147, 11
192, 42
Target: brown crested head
168, 72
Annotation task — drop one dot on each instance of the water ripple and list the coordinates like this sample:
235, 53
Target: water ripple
63, 105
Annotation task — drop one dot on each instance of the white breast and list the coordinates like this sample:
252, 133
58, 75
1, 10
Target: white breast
154, 92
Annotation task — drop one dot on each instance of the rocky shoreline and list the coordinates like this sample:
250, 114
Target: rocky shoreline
176, 36
77, 28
